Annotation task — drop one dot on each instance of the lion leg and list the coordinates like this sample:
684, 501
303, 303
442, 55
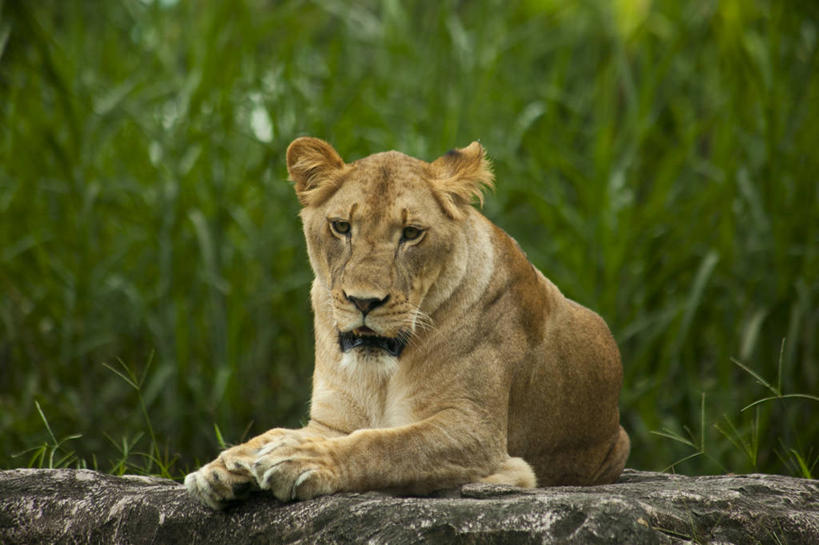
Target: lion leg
615, 460
513, 472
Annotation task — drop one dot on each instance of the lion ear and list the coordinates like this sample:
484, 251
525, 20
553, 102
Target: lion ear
460, 177
315, 167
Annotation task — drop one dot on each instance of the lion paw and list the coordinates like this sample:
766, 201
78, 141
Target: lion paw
239, 459
298, 472
216, 486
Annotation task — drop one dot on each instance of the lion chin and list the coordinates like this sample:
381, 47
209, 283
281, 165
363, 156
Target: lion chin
369, 362
364, 352
442, 355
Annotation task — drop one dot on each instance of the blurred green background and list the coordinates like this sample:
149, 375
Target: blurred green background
657, 160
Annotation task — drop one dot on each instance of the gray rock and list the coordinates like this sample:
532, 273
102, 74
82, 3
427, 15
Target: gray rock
82, 506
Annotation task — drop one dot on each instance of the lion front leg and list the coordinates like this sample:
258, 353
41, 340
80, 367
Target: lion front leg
230, 476
418, 458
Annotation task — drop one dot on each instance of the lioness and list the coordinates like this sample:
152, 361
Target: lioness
443, 356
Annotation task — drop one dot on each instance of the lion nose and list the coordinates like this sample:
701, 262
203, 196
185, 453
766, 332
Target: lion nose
365, 305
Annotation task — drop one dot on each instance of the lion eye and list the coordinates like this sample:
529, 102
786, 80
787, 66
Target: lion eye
411, 233
341, 227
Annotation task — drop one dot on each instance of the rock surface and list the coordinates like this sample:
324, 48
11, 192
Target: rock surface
82, 506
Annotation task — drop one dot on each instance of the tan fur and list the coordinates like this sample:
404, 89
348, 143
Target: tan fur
503, 379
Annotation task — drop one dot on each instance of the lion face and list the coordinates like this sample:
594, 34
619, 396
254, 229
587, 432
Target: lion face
381, 233
377, 240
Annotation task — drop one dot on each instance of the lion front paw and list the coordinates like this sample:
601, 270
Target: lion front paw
297, 472
216, 486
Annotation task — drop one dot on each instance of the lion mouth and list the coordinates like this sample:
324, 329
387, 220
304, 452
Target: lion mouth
366, 337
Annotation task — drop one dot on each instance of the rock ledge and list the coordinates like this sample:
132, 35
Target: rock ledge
82, 506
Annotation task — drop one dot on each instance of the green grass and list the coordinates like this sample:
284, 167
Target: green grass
657, 160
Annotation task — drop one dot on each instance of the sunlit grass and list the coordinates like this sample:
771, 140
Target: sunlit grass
655, 159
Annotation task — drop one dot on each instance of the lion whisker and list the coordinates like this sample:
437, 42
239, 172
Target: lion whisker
421, 319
